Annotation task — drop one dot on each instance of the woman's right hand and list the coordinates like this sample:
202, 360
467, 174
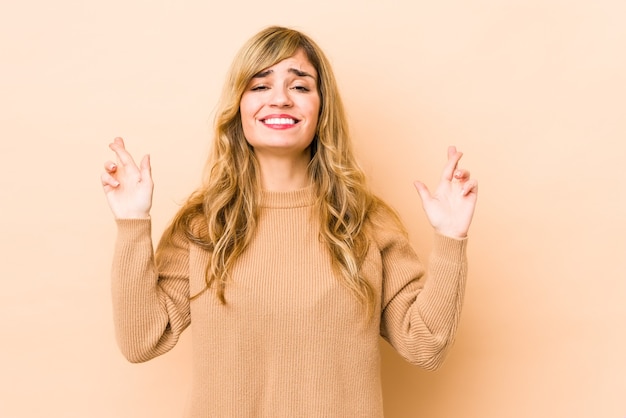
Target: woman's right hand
127, 187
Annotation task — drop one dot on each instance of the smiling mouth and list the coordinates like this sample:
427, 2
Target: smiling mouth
280, 121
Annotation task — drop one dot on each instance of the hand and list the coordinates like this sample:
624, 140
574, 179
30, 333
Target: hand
451, 207
128, 188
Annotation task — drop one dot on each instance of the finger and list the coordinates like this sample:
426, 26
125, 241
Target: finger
422, 190
146, 169
469, 187
109, 181
451, 151
110, 167
453, 159
119, 140
120, 150
461, 174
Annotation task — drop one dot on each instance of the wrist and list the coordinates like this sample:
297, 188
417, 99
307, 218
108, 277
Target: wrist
452, 234
132, 215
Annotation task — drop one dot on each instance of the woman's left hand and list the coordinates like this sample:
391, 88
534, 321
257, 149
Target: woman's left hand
451, 207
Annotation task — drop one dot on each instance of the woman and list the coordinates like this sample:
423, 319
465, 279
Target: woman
286, 267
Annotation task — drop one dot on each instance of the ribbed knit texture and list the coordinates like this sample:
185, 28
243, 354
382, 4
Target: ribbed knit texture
291, 341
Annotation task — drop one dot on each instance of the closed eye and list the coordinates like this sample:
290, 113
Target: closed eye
259, 87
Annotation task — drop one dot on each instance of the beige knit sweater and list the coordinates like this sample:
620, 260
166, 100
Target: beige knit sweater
291, 340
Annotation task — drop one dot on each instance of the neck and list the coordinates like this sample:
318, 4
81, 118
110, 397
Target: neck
283, 174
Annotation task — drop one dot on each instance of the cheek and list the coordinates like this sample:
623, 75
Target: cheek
250, 104
244, 108
246, 112
315, 112
312, 106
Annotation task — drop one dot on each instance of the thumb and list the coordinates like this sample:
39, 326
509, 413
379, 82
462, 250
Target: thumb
422, 190
146, 169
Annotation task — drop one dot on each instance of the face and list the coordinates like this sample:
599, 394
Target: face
280, 107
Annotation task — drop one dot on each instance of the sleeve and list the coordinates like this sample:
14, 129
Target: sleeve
421, 307
150, 299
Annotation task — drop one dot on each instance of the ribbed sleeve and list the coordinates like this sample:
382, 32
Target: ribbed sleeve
150, 308
421, 308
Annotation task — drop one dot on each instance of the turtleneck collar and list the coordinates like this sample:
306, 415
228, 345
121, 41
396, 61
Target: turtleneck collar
292, 199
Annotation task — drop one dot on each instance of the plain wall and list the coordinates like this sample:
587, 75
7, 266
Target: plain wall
532, 91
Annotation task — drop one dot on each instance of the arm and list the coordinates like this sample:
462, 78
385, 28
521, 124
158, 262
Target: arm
421, 311
150, 299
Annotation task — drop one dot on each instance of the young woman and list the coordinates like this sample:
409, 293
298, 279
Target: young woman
284, 264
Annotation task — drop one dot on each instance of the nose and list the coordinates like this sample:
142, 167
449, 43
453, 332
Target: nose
280, 97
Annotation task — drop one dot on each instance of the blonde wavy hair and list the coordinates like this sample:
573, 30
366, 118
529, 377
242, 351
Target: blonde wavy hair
221, 216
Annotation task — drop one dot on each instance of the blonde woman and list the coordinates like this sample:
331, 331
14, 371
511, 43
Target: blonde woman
284, 264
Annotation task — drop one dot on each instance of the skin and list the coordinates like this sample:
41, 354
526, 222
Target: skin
127, 187
283, 153
450, 207
289, 90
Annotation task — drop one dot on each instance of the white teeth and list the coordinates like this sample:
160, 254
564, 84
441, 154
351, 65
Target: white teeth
279, 121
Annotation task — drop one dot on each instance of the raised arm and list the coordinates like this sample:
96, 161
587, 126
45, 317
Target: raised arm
150, 298
421, 307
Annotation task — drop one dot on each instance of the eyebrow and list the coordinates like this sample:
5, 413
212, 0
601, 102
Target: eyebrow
295, 71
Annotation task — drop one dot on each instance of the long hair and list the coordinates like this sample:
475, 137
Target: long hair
221, 216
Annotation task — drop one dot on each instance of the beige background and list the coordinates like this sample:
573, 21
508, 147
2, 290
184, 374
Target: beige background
533, 91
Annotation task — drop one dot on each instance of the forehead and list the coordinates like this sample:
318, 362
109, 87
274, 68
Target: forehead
298, 64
